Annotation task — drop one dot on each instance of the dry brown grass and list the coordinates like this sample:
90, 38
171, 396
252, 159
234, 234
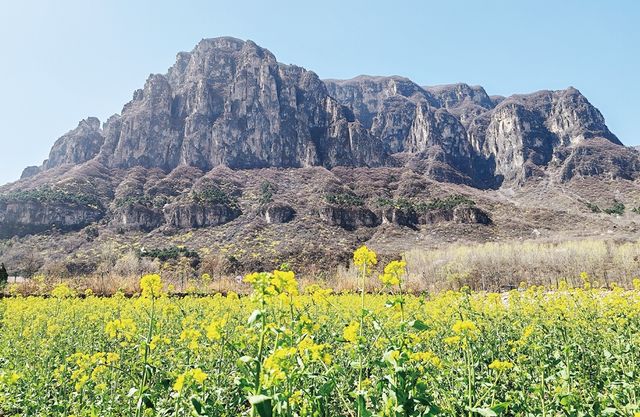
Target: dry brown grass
496, 266
488, 266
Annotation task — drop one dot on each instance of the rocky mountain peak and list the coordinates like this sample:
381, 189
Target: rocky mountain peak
455, 95
78, 145
230, 102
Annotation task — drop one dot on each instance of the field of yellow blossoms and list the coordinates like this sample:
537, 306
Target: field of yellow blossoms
287, 352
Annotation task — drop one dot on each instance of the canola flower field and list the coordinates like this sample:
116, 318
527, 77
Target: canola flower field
287, 352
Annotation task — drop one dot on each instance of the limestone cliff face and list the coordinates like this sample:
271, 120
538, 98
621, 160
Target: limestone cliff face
488, 140
231, 103
78, 145
19, 218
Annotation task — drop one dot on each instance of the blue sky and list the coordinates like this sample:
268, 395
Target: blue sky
64, 60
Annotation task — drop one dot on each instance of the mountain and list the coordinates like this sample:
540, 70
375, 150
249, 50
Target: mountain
230, 136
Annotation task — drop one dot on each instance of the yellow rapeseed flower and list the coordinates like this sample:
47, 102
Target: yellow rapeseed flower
198, 375
452, 340
393, 273
285, 282
214, 329
464, 326
62, 291
364, 258
151, 286
179, 384
122, 328
188, 377
350, 333
191, 336
500, 365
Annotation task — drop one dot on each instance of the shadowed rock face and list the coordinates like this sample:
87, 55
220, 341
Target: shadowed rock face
488, 140
349, 218
138, 217
186, 216
278, 213
32, 217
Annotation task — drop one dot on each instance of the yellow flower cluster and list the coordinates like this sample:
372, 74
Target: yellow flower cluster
426, 357
464, 327
189, 377
191, 337
62, 291
89, 367
285, 282
123, 328
215, 328
500, 366
364, 258
277, 364
393, 273
151, 286
350, 333
279, 283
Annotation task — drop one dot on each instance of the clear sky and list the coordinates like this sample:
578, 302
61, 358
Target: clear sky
64, 60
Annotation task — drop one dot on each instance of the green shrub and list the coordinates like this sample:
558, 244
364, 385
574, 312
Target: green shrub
616, 208
50, 195
213, 195
594, 208
165, 254
446, 203
344, 199
267, 190
4, 275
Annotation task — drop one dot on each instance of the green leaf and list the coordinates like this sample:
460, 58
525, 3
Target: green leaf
197, 405
254, 316
500, 407
262, 404
327, 388
485, 412
146, 400
362, 407
418, 325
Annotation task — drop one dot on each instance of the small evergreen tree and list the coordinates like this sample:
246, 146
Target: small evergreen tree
4, 276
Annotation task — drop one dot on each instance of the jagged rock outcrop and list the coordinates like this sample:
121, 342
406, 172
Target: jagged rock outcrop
398, 216
24, 217
194, 215
78, 145
459, 214
137, 217
459, 133
349, 218
601, 158
231, 103
524, 133
471, 214
30, 171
